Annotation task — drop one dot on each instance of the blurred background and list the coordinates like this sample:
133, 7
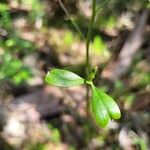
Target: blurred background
35, 36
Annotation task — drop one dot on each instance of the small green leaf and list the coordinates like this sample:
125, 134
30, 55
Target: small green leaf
110, 104
103, 107
99, 111
63, 78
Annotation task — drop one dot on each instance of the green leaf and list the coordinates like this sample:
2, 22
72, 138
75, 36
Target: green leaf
3, 7
99, 111
63, 78
103, 107
110, 104
99, 45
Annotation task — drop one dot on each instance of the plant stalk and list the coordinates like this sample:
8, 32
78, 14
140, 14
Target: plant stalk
88, 38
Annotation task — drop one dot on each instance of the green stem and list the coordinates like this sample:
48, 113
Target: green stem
90, 83
72, 21
89, 37
90, 29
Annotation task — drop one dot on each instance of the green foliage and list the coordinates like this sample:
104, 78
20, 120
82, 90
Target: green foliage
16, 44
36, 9
141, 78
63, 78
111, 22
3, 7
103, 107
108, 22
92, 74
119, 84
148, 5
129, 100
55, 137
141, 73
141, 143
55, 134
38, 146
5, 21
11, 66
99, 46
13, 69
99, 110
69, 38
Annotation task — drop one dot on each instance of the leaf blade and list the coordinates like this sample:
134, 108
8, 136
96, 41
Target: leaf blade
63, 78
110, 104
98, 109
